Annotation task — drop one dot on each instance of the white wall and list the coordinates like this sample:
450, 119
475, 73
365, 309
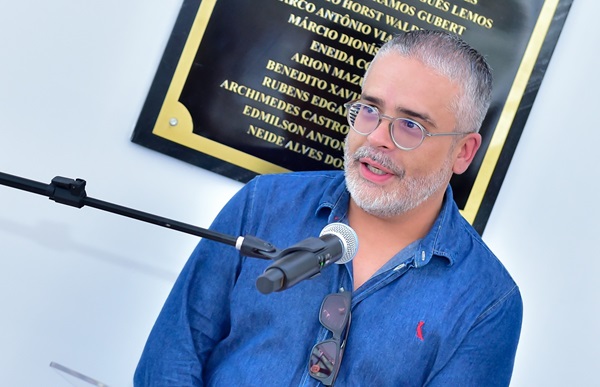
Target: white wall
82, 287
544, 223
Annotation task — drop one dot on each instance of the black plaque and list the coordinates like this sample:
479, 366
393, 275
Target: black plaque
254, 87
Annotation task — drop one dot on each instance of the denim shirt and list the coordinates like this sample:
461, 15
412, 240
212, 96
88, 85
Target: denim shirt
442, 312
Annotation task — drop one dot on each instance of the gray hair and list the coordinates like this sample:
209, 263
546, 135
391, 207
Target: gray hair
452, 57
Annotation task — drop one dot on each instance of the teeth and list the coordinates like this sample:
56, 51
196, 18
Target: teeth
376, 171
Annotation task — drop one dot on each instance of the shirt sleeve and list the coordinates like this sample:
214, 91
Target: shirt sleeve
486, 356
195, 316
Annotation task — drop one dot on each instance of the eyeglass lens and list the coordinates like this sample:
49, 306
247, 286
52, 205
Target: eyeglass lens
326, 355
323, 359
334, 313
365, 119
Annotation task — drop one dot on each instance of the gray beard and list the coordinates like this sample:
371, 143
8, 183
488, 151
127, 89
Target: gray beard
384, 202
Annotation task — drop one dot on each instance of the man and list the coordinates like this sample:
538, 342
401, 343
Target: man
430, 304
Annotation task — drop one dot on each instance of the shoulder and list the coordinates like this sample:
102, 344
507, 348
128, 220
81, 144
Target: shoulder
471, 264
288, 188
485, 273
306, 178
285, 200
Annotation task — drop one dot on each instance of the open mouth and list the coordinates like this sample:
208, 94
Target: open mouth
375, 170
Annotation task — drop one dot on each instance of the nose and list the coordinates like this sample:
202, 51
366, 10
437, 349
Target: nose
381, 137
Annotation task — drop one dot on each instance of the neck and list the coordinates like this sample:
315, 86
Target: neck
402, 229
382, 238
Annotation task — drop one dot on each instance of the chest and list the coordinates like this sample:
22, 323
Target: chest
371, 257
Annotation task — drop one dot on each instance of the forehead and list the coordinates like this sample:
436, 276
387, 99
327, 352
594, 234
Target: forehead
408, 84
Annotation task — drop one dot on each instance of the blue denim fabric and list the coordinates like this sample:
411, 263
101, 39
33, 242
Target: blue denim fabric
443, 312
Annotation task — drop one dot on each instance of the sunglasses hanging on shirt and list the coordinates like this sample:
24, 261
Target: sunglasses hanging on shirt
326, 356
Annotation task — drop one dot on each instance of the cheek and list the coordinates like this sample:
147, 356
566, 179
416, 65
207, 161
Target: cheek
426, 163
353, 141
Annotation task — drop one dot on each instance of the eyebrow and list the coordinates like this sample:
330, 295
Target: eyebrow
401, 110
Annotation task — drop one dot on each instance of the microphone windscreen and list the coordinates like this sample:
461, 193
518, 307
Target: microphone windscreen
347, 237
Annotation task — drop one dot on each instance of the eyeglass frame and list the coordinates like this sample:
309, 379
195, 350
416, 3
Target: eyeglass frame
380, 116
340, 344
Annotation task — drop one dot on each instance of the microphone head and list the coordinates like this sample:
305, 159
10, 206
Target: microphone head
348, 239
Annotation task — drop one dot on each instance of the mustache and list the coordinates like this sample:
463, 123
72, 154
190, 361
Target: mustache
379, 157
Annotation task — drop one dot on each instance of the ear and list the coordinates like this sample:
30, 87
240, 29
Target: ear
465, 151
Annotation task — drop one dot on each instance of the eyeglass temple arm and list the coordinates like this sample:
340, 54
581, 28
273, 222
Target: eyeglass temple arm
429, 134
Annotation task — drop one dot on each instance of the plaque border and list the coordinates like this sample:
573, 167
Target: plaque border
166, 125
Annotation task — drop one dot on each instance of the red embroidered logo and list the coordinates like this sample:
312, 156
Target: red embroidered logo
420, 330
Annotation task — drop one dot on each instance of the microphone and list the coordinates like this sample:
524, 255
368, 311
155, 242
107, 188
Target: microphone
337, 243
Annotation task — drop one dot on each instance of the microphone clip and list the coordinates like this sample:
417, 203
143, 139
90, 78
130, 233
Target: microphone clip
67, 191
311, 245
301, 261
254, 247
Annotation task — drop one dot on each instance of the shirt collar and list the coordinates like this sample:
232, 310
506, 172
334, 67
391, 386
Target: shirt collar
441, 238
335, 198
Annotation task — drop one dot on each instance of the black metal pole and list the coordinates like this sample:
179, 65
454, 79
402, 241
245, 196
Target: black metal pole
72, 192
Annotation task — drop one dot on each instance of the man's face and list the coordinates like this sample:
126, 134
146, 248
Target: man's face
383, 179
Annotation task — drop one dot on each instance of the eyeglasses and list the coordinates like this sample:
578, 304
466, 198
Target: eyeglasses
326, 356
405, 133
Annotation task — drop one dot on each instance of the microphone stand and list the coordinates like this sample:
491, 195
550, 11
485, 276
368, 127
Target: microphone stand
71, 192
